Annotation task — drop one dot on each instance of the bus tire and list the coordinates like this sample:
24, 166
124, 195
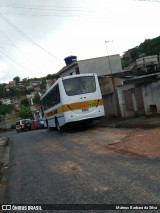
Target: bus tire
59, 128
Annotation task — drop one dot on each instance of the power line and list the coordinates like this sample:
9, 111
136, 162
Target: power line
3, 52
49, 8
56, 15
26, 36
17, 48
55, 8
32, 8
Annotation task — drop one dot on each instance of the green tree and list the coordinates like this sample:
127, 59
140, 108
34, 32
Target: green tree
36, 99
16, 79
134, 53
148, 47
25, 112
13, 92
2, 91
43, 85
25, 102
6, 109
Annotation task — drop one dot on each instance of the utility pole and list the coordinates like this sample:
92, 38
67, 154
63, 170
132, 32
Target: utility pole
112, 79
108, 55
113, 83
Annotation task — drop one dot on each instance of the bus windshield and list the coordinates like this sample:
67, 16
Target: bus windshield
80, 85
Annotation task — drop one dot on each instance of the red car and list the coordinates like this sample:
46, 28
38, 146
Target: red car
34, 125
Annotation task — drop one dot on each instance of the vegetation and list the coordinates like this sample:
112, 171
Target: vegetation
36, 99
25, 112
6, 108
148, 47
25, 102
16, 79
2, 90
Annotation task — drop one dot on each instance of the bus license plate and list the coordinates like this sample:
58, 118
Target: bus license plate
85, 110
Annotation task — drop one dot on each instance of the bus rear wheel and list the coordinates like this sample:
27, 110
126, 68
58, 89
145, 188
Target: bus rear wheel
59, 128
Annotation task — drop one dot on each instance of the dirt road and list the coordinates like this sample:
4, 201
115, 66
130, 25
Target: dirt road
139, 142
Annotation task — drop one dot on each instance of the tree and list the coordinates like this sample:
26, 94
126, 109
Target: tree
16, 79
25, 102
2, 91
4, 109
13, 92
43, 85
36, 99
25, 112
148, 47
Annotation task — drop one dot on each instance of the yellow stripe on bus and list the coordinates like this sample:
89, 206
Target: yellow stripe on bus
74, 106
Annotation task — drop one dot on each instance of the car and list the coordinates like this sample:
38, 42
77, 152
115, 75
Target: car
34, 125
41, 123
23, 125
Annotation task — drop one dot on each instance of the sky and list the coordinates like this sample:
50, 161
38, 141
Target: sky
36, 35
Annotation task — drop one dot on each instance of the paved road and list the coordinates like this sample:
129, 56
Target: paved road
74, 168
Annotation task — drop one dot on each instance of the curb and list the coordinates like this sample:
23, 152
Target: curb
128, 124
137, 125
4, 158
4, 150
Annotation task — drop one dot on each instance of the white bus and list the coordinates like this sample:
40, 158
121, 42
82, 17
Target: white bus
75, 98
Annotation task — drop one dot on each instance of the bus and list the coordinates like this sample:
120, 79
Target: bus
74, 98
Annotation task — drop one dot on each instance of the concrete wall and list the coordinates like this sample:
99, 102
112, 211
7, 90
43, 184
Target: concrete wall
131, 101
151, 96
109, 105
68, 72
106, 85
101, 65
139, 100
147, 60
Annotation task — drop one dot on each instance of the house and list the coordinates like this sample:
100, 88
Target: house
6, 101
104, 67
139, 93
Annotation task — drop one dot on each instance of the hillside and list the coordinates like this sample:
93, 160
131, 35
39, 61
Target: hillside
148, 47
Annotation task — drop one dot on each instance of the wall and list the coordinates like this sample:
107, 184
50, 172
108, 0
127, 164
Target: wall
109, 105
131, 101
106, 85
151, 96
68, 71
101, 65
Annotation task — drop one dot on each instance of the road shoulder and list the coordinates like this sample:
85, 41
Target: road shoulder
4, 160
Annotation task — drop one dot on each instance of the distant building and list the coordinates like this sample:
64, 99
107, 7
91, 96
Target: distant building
12, 83
147, 63
5, 101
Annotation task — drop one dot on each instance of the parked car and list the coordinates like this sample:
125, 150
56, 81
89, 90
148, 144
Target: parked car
41, 123
34, 125
23, 125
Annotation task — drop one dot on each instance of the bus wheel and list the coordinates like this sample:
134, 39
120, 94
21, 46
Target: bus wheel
46, 124
59, 128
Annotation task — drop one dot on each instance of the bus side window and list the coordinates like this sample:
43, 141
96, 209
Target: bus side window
57, 95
